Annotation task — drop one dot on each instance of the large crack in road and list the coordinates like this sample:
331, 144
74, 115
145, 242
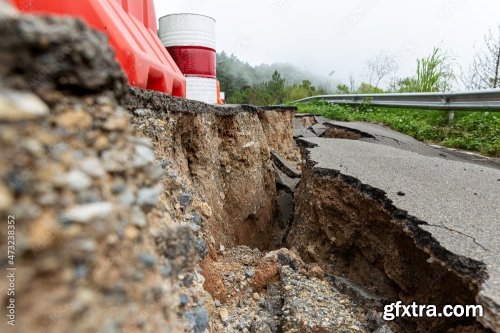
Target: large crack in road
374, 207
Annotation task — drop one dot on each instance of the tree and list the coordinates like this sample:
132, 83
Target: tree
408, 84
485, 69
434, 73
266, 93
229, 83
274, 91
321, 90
305, 89
394, 85
276, 88
343, 89
241, 96
366, 88
379, 67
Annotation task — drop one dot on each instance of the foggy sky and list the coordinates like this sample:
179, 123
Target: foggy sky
336, 38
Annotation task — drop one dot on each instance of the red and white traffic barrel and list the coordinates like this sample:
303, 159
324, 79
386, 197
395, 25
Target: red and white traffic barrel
190, 40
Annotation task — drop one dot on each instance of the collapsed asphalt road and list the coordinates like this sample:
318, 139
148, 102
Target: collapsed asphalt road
308, 125
450, 208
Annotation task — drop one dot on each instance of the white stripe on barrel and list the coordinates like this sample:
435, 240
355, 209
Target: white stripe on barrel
187, 30
201, 89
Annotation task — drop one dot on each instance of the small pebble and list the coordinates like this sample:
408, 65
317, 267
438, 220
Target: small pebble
147, 259
185, 199
88, 212
197, 219
77, 180
184, 299
249, 273
92, 167
224, 315
15, 105
149, 196
143, 156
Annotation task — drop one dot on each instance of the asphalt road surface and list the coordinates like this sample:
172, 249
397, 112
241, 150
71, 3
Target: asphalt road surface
459, 201
386, 136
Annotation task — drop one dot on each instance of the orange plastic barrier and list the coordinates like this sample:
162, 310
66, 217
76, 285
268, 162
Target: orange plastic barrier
131, 28
219, 99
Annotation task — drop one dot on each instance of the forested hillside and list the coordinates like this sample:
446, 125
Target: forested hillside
265, 84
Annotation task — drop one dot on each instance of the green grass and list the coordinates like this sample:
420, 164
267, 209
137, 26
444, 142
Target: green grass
475, 131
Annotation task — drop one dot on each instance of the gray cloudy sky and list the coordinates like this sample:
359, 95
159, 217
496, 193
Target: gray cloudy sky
341, 35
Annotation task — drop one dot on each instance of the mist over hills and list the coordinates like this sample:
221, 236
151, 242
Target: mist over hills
244, 74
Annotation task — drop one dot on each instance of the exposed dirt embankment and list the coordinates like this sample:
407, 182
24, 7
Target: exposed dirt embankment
223, 156
107, 203
353, 230
95, 251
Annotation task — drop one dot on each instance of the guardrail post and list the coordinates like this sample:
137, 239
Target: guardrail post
451, 117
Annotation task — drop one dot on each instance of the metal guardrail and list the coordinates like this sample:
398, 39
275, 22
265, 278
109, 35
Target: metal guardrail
480, 100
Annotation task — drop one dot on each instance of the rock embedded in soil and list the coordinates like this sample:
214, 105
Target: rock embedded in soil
224, 314
149, 196
87, 212
16, 106
57, 54
6, 198
312, 305
198, 319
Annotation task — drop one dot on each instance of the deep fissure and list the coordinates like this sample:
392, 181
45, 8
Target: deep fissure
358, 262
358, 258
428, 285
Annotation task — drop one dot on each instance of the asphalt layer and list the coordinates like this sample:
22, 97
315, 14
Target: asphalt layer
288, 168
469, 157
141, 98
382, 135
460, 202
303, 133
